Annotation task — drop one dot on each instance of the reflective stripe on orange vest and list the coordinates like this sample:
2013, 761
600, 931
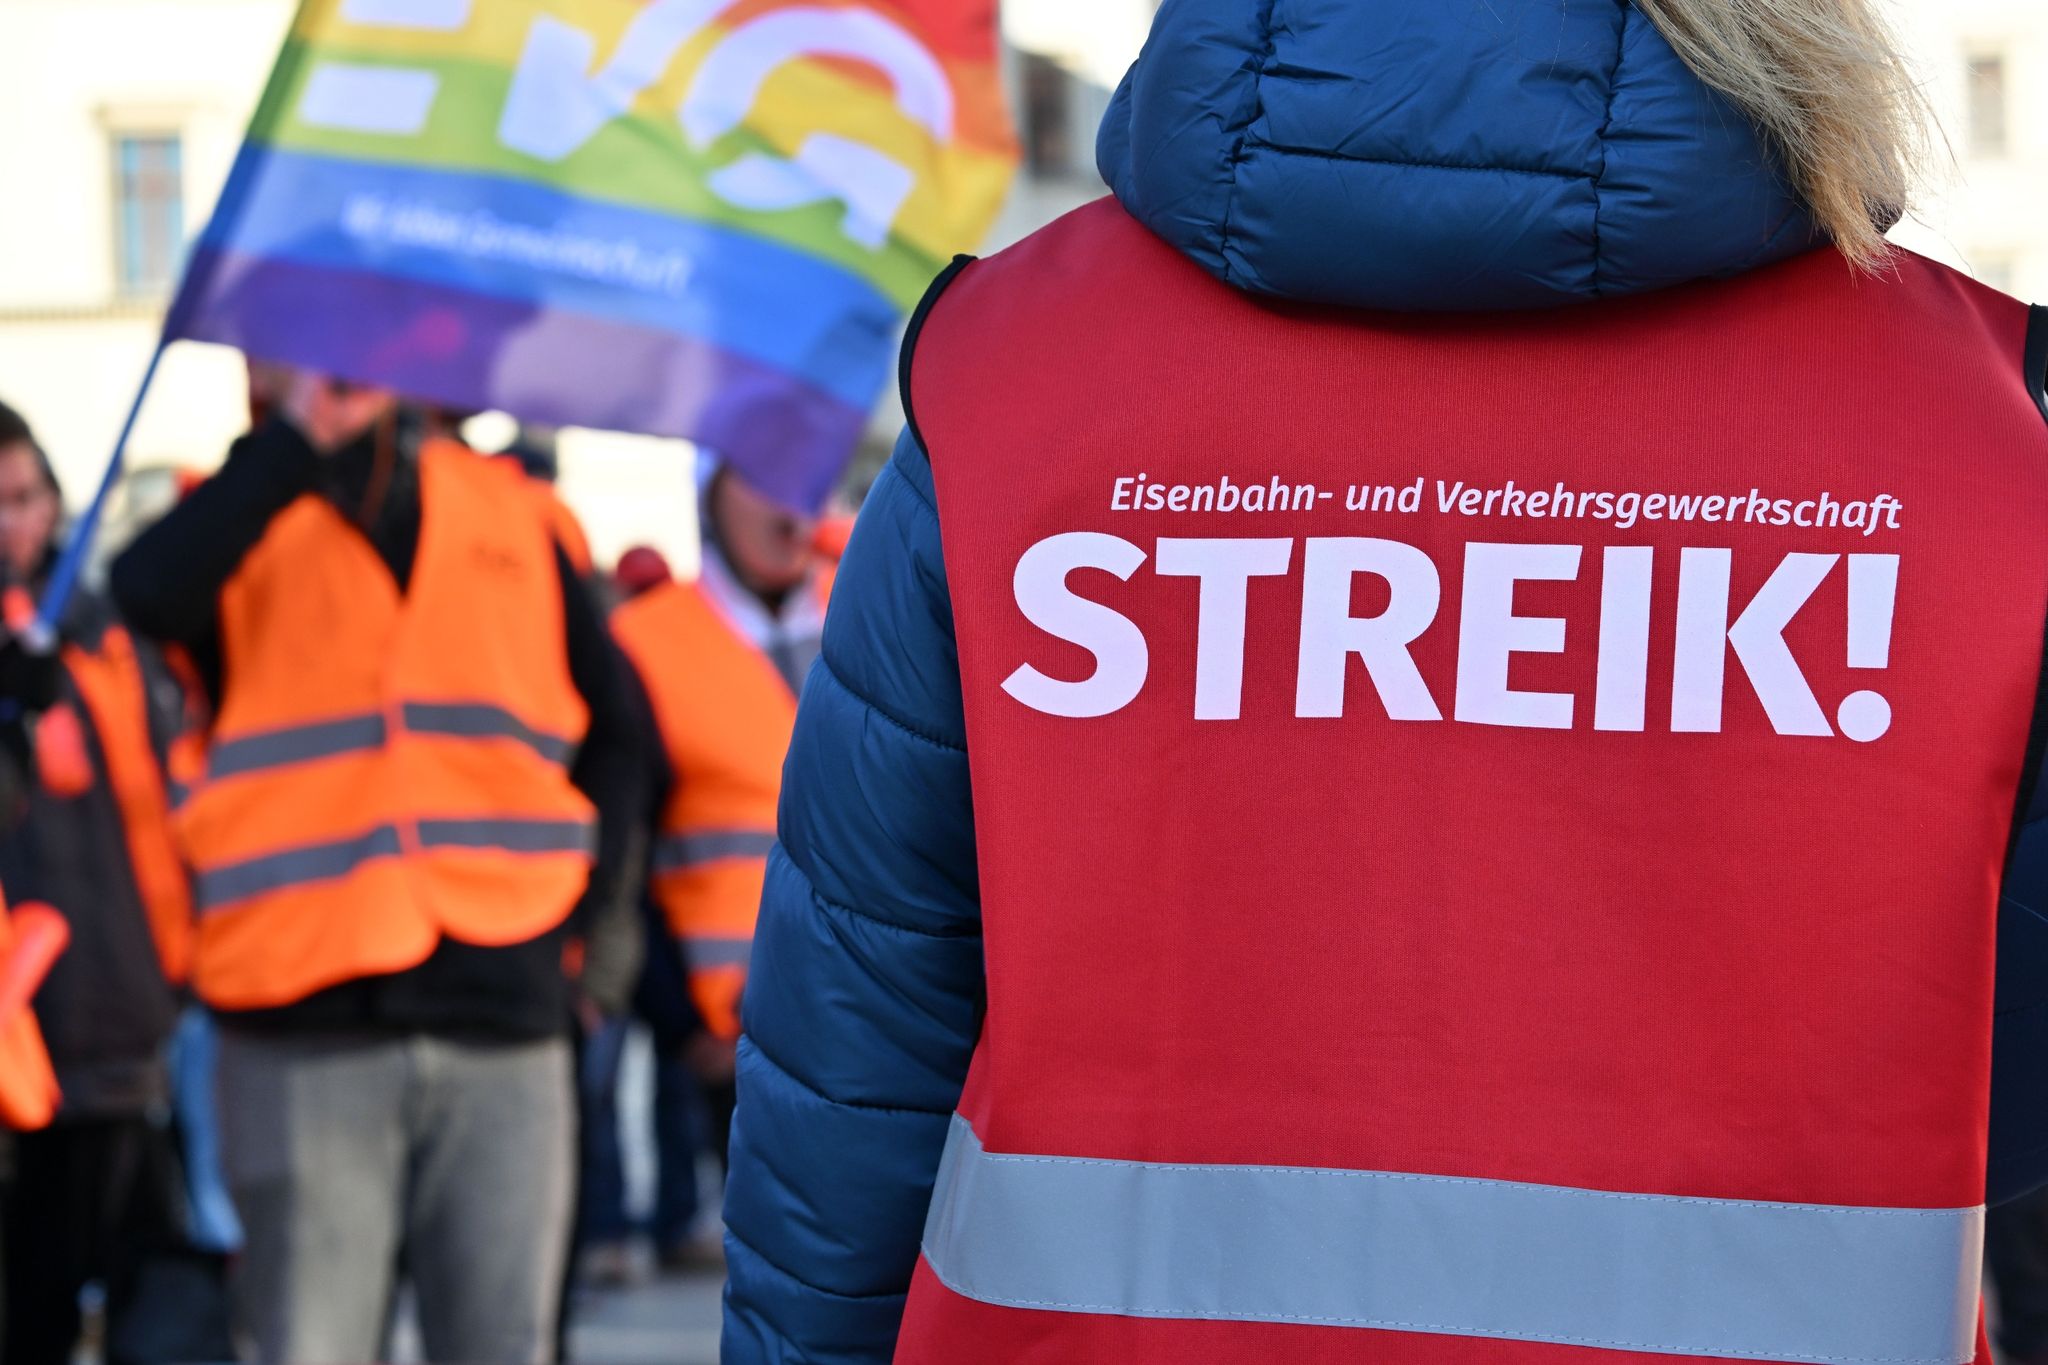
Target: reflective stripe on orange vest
389, 768
1723, 1278
296, 744
679, 852
236, 882
351, 734
709, 951
725, 717
472, 721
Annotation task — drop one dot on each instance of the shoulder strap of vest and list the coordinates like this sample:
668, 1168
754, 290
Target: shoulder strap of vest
642, 624
2037, 356
910, 335
115, 688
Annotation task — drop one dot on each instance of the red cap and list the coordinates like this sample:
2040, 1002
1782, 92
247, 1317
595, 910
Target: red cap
641, 568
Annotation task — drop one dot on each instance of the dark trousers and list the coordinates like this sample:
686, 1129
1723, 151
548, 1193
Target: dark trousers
89, 1201
679, 1133
2016, 1249
685, 1123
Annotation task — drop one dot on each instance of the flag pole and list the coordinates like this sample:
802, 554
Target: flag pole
41, 636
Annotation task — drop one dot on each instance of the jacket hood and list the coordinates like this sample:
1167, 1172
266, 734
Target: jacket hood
1440, 154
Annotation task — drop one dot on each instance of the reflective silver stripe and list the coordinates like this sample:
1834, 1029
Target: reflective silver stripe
294, 744
680, 852
479, 720
293, 867
705, 953
350, 734
511, 835
223, 886
1731, 1279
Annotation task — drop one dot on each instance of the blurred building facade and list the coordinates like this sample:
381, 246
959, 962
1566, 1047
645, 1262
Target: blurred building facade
1984, 64
123, 117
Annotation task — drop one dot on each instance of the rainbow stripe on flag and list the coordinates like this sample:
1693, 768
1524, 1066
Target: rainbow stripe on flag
698, 218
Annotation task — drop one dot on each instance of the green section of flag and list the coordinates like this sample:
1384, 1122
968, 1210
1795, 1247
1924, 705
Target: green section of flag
638, 162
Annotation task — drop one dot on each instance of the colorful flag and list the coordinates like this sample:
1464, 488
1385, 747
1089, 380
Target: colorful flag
699, 218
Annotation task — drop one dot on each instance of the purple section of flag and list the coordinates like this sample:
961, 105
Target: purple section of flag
465, 350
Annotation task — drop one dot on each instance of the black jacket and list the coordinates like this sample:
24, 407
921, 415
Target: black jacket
169, 583
105, 1009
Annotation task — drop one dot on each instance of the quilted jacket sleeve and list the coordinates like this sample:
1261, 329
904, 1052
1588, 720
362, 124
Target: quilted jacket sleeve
864, 999
2019, 1040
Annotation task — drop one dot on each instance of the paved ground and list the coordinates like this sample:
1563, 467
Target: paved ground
669, 1321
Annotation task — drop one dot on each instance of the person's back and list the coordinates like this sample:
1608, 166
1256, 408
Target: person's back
94, 841
90, 839
719, 661
1602, 963
1582, 880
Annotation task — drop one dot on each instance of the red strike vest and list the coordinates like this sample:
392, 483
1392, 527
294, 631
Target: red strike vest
1489, 827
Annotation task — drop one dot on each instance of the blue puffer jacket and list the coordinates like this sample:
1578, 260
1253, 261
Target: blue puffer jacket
1419, 154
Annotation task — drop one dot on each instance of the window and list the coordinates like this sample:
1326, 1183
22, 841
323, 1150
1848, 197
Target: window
149, 211
1988, 101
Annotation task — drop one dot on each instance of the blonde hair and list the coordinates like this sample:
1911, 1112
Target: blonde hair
1825, 82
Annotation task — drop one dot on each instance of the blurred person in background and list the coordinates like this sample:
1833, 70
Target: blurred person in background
1271, 870
29, 1097
719, 662
94, 1198
605, 1255
612, 960
195, 1048
419, 795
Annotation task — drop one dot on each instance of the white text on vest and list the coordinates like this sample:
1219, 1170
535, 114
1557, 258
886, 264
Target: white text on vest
1708, 629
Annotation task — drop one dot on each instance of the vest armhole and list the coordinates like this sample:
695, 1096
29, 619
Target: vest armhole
2037, 357
2026, 807
2028, 797
910, 335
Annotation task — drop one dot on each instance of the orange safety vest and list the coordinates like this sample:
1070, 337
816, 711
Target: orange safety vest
30, 941
725, 716
388, 768
110, 682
